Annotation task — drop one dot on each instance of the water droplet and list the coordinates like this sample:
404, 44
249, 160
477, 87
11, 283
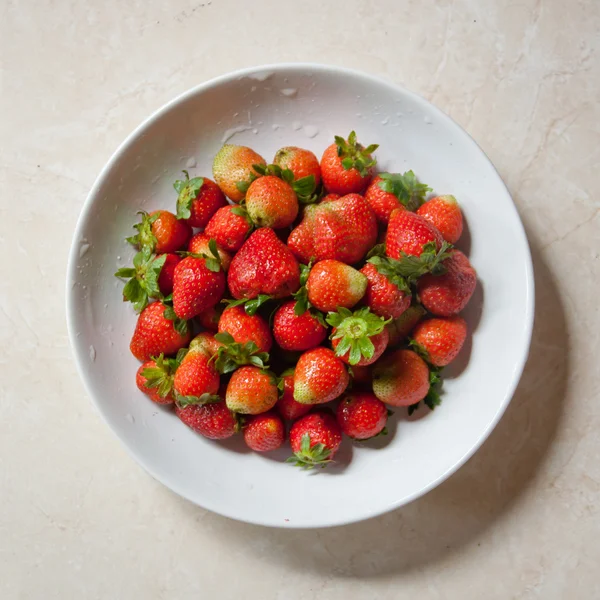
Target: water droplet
289, 92
261, 76
385, 121
427, 119
311, 131
296, 126
191, 163
229, 133
83, 249
255, 131
92, 353
130, 418
275, 127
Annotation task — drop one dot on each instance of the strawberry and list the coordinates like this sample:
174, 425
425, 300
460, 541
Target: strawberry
286, 405
158, 331
387, 297
346, 167
229, 227
251, 391
199, 283
401, 378
264, 432
332, 284
389, 191
341, 229
271, 202
330, 197
206, 343
298, 332
209, 319
320, 376
362, 416
167, 273
447, 294
196, 379
263, 266
444, 214
199, 199
361, 375
301, 162
246, 328
213, 420
400, 328
358, 338
315, 438
200, 244
409, 233
439, 340
233, 169
160, 232
155, 379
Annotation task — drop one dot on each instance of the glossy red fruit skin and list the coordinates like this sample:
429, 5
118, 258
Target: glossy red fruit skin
322, 428
287, 407
264, 265
332, 284
245, 328
446, 295
251, 391
209, 319
152, 393
214, 421
196, 288
382, 203
228, 229
336, 179
271, 202
301, 162
361, 415
380, 341
382, 296
320, 376
442, 338
154, 333
408, 232
199, 245
167, 273
362, 375
196, 376
207, 202
297, 332
264, 432
171, 233
445, 215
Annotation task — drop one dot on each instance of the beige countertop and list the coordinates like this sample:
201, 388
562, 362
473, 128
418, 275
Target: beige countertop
79, 519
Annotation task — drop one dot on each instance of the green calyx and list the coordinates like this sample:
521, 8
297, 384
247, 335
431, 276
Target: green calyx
251, 305
212, 260
161, 375
304, 187
242, 186
142, 278
180, 325
354, 155
232, 355
309, 456
301, 296
188, 190
183, 401
406, 188
433, 397
354, 331
144, 239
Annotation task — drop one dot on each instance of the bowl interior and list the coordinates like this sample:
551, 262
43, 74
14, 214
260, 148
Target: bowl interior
267, 108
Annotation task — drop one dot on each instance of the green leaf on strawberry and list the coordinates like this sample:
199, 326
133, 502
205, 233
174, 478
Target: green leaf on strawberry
433, 397
184, 401
161, 376
144, 239
181, 325
188, 191
309, 457
232, 354
405, 187
355, 156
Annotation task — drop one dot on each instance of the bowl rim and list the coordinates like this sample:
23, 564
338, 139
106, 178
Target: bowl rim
147, 123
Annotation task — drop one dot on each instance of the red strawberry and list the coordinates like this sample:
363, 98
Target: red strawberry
229, 227
301, 162
399, 329
447, 294
233, 169
160, 232
271, 202
199, 284
246, 328
383, 296
409, 233
330, 197
390, 191
439, 340
444, 213
401, 378
167, 273
209, 319
315, 438
346, 167
200, 244
155, 379
342, 229
251, 391
264, 265
320, 376
332, 284
358, 338
214, 420
196, 379
298, 332
362, 375
286, 405
206, 343
158, 330
361, 415
264, 432
199, 199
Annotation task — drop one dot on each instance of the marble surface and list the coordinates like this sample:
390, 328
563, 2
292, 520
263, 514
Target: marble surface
79, 519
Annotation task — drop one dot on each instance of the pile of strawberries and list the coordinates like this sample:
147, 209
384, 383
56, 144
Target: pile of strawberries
319, 282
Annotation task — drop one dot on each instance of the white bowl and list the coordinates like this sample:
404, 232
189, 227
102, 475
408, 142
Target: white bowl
305, 105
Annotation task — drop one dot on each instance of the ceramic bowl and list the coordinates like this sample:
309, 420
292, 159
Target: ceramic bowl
305, 105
